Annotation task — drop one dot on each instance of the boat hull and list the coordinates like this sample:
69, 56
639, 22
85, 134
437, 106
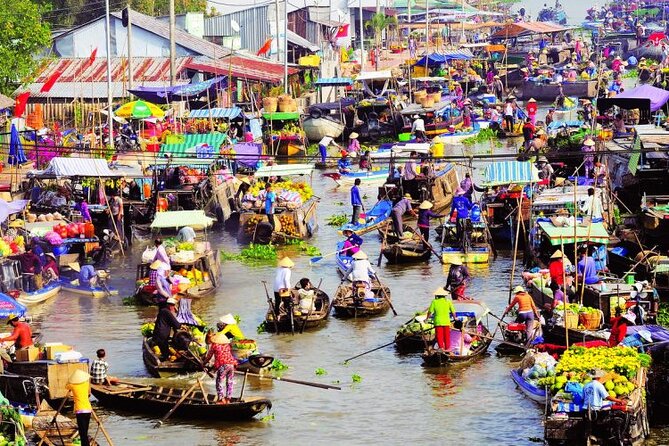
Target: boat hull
473, 255
402, 253
95, 292
548, 92
39, 296
435, 358
532, 392
318, 128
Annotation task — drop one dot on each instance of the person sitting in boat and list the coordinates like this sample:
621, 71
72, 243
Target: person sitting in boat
556, 268
619, 325
546, 171
461, 341
638, 340
595, 395
586, 269
158, 282
82, 207
527, 311
400, 208
360, 271
441, 309
22, 335
458, 278
353, 241
186, 234
306, 296
166, 321
344, 163
550, 116
619, 126
227, 324
100, 369
353, 143
366, 161
86, 274
424, 215
50, 270
224, 364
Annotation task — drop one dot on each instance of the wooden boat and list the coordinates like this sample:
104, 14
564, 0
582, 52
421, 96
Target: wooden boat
569, 424
475, 254
41, 295
548, 92
317, 128
626, 256
348, 301
72, 286
316, 318
515, 335
414, 334
157, 400
471, 313
407, 251
472, 247
533, 392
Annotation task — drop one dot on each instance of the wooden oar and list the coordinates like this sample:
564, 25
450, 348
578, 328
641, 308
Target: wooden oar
385, 295
439, 256
271, 308
385, 345
289, 380
102, 428
319, 258
185, 395
311, 308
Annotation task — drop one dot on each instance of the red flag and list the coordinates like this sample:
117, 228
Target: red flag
91, 58
50, 82
342, 32
264, 49
21, 102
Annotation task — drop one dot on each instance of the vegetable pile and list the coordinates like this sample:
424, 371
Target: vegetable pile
337, 220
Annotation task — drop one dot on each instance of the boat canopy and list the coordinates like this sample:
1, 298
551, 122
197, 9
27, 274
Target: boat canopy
595, 233
178, 219
77, 167
225, 113
512, 30
282, 170
9, 306
470, 309
436, 59
189, 142
658, 96
11, 207
510, 172
334, 82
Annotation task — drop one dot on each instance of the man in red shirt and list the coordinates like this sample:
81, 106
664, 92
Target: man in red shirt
556, 268
21, 335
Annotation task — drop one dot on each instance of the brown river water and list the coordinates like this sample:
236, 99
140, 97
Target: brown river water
395, 402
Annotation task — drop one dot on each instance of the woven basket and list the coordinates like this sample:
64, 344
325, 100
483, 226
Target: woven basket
427, 102
571, 320
270, 104
436, 97
589, 320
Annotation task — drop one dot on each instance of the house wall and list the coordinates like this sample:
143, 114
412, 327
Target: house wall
253, 23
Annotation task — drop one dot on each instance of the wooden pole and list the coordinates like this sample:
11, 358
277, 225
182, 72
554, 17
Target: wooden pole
118, 235
102, 428
587, 239
564, 290
515, 247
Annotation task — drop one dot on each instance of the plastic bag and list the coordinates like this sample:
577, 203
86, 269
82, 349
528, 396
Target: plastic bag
149, 254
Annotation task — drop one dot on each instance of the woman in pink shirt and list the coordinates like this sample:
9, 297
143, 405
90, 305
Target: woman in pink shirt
460, 340
224, 364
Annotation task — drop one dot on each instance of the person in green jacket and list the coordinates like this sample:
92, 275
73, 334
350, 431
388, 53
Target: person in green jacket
441, 308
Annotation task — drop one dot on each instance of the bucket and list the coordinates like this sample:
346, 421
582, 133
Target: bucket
269, 104
630, 278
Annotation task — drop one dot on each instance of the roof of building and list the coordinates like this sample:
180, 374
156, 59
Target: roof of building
245, 67
511, 30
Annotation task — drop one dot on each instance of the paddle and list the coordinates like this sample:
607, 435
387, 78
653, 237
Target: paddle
185, 395
386, 345
385, 295
289, 380
441, 260
319, 258
102, 428
271, 307
311, 308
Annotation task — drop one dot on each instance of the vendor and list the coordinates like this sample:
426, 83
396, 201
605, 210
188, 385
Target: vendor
50, 270
82, 208
619, 325
30, 268
595, 394
306, 294
353, 241
186, 234
21, 334
227, 325
587, 271
86, 274
166, 321
344, 163
161, 253
158, 279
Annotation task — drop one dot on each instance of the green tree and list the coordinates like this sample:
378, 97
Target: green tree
22, 34
378, 23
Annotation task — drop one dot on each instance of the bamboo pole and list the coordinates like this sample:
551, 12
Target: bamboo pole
515, 247
564, 290
118, 235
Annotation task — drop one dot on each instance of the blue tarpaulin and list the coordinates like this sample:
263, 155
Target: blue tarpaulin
507, 172
436, 59
166, 95
16, 154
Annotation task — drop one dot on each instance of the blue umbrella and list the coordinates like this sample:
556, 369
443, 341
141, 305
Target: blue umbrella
16, 154
9, 306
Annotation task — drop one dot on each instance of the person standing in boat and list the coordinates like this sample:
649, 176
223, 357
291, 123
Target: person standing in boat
282, 282
353, 241
418, 129
460, 208
356, 201
424, 215
527, 311
592, 207
79, 385
441, 309
21, 334
399, 209
458, 278
498, 88
166, 321
161, 253
224, 364
586, 268
117, 216
353, 143
270, 202
323, 145
556, 268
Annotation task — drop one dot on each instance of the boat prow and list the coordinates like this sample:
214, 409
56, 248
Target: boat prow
72, 286
41, 295
533, 392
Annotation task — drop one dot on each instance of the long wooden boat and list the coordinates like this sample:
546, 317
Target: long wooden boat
548, 92
157, 400
346, 302
475, 254
514, 339
437, 358
72, 286
407, 251
316, 318
414, 334
533, 392
567, 423
478, 247
41, 295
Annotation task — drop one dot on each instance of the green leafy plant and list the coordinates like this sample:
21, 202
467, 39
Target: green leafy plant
484, 135
356, 378
130, 301
319, 371
262, 328
337, 220
278, 366
267, 418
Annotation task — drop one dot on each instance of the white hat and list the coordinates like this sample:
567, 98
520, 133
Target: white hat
78, 377
157, 264
631, 317
360, 255
353, 135
425, 205
519, 289
440, 292
286, 262
645, 335
220, 338
75, 266
456, 261
171, 301
228, 319
588, 142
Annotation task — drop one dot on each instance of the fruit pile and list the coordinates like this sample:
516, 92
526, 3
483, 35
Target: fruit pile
303, 189
288, 225
621, 365
251, 223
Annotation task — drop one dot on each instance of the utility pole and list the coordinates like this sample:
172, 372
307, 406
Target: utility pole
173, 46
362, 38
276, 16
110, 119
285, 48
129, 49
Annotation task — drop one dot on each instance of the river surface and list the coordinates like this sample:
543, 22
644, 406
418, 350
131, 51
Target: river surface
396, 400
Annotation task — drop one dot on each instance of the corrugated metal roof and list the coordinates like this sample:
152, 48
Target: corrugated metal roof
511, 30
253, 22
182, 38
6, 102
246, 67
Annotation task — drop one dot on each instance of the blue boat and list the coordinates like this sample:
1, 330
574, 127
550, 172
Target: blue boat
374, 218
343, 261
533, 392
375, 177
41, 295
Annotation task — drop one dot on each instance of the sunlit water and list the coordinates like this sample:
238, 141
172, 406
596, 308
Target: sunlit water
397, 400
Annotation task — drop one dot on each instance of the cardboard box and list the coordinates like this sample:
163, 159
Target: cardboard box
52, 350
56, 375
27, 354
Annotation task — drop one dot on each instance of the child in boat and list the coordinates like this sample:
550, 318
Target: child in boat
460, 340
100, 368
224, 364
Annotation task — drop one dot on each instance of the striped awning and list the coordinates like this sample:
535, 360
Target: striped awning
190, 141
507, 172
334, 82
595, 233
225, 113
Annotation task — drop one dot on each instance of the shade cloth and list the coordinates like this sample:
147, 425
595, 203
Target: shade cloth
565, 234
223, 113
658, 97
179, 219
247, 153
78, 167
166, 95
190, 141
507, 172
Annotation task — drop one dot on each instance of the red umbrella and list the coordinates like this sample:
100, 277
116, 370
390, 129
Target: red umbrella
657, 37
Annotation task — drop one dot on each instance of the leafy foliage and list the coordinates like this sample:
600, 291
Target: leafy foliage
22, 34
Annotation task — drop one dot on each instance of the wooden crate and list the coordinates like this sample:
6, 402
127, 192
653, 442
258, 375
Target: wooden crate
56, 375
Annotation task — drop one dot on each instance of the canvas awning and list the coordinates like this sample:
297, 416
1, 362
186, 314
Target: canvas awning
334, 82
435, 59
658, 97
223, 113
179, 219
78, 167
374, 75
508, 172
281, 170
190, 141
595, 233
